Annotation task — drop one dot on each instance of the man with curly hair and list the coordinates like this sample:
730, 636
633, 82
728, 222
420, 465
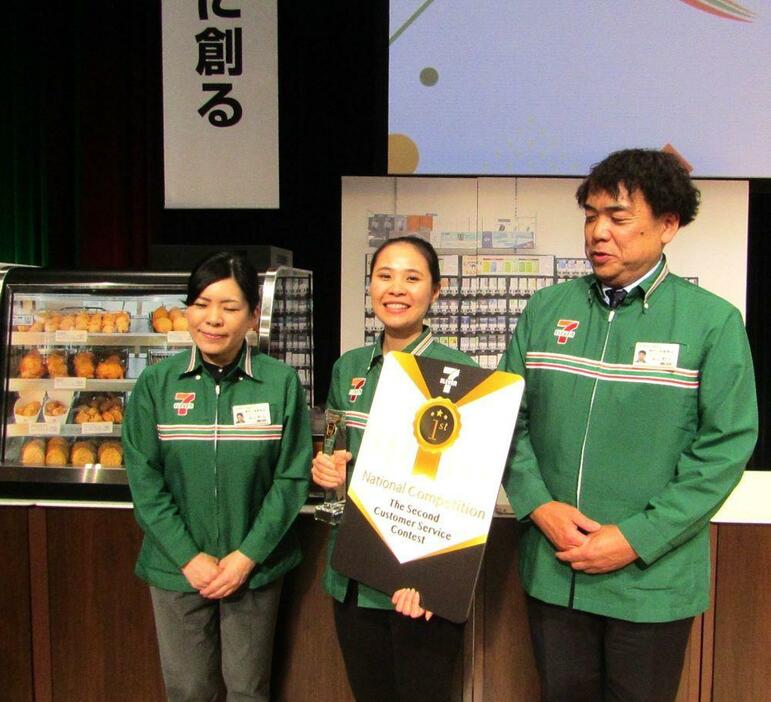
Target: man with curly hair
618, 465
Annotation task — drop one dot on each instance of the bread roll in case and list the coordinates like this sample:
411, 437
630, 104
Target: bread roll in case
53, 364
165, 320
163, 325
111, 454
57, 452
104, 364
112, 366
83, 453
32, 365
94, 322
56, 364
84, 364
33, 452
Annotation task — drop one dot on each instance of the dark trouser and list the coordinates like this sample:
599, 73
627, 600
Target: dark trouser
199, 638
583, 657
393, 658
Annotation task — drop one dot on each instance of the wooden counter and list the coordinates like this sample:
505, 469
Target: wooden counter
77, 624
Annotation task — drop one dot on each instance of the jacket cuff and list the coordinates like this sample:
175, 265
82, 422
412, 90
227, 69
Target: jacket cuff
524, 502
254, 552
183, 553
644, 538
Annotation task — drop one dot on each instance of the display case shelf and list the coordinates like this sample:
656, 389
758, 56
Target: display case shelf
76, 384
59, 338
56, 429
94, 474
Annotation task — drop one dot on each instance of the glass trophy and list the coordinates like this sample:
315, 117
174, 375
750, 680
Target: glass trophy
331, 510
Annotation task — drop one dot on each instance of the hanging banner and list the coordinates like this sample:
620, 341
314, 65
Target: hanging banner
220, 103
423, 490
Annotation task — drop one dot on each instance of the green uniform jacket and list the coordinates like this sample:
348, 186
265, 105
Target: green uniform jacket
200, 482
654, 450
354, 380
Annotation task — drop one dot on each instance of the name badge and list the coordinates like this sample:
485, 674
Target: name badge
655, 355
257, 414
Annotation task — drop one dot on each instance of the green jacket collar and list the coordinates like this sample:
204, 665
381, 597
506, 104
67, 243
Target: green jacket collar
647, 287
246, 364
417, 347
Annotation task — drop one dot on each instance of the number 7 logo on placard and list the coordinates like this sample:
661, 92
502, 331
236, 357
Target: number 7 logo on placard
451, 380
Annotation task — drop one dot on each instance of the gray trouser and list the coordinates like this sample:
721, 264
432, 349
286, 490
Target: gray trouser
198, 638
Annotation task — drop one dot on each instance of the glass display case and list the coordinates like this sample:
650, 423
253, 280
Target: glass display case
73, 346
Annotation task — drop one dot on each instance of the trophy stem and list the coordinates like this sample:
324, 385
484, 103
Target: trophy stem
331, 510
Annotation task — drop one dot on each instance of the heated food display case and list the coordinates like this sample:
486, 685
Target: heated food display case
73, 346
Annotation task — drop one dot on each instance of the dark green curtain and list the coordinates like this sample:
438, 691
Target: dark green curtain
80, 137
39, 136
23, 178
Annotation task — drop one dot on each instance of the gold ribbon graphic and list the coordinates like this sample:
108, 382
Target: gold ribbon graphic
436, 426
437, 422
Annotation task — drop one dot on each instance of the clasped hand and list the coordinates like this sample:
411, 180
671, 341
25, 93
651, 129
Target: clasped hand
585, 544
215, 579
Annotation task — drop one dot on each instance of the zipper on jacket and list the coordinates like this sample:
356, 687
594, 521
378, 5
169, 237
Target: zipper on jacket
611, 315
216, 490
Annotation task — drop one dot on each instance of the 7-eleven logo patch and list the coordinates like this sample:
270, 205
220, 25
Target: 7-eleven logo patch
357, 386
566, 330
184, 402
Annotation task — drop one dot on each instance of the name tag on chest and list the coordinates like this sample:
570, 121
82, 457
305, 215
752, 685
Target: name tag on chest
257, 414
655, 355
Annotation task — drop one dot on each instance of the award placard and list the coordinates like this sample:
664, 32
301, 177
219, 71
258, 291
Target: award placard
423, 492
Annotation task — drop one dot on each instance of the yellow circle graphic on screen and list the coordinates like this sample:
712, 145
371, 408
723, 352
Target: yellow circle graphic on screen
403, 155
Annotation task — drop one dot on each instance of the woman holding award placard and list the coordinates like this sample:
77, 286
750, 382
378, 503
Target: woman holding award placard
394, 650
217, 443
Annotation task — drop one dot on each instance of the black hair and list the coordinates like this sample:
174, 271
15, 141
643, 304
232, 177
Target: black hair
222, 265
424, 248
659, 176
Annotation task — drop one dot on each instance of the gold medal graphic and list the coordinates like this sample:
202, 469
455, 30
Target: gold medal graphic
436, 427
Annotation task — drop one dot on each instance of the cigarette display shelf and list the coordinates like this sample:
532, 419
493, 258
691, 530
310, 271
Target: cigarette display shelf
481, 298
493, 294
286, 321
566, 268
